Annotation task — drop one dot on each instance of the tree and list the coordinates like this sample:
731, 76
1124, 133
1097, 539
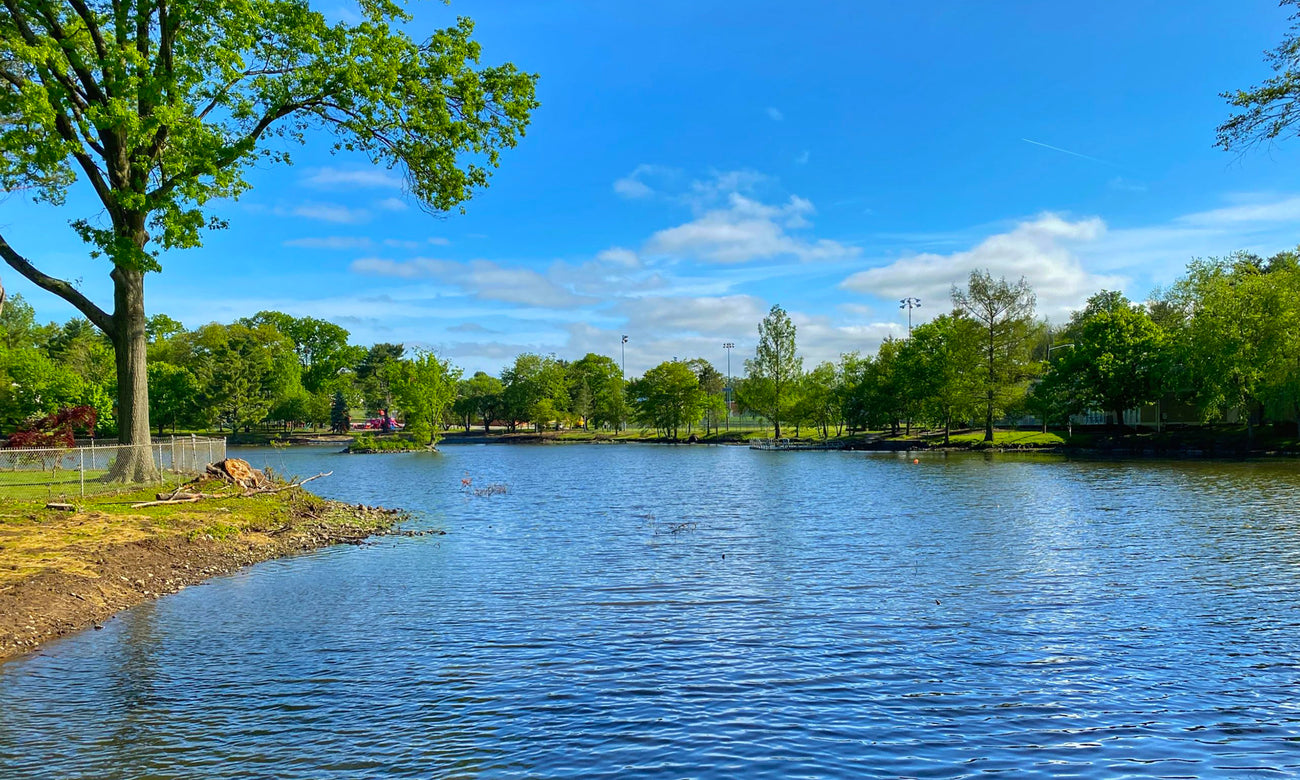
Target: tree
340, 420
1271, 109
1004, 313
160, 327
321, 346
18, 327
1118, 356
484, 391
817, 397
772, 375
939, 365
31, 384
601, 380
172, 393
1240, 340
161, 107
371, 377
877, 396
424, 388
668, 397
530, 381
714, 385
243, 372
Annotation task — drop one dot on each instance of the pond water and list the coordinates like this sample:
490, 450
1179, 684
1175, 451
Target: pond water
712, 612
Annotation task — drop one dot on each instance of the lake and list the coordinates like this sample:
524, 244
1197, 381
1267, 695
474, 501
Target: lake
713, 612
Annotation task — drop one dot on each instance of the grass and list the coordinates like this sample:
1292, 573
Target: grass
58, 485
1001, 439
34, 539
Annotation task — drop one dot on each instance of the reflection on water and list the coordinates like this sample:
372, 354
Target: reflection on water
714, 612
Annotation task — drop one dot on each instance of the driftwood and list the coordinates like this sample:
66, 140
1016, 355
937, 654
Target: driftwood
178, 497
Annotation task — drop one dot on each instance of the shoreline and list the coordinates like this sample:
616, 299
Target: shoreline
1217, 450
149, 553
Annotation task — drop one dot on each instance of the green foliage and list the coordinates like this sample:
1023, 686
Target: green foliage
371, 443
322, 347
424, 388
596, 391
937, 370
173, 396
1239, 341
33, 384
668, 397
1118, 358
770, 388
340, 421
479, 397
1004, 313
243, 372
714, 385
1270, 110
535, 390
18, 328
162, 108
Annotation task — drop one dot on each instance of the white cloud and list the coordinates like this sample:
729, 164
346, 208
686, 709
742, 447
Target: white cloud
391, 204
330, 212
722, 316
618, 256
330, 242
338, 178
630, 187
774, 114
705, 194
747, 230
440, 241
1284, 210
1043, 251
482, 279
398, 243
634, 186
802, 157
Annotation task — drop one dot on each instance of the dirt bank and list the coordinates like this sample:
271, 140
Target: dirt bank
61, 572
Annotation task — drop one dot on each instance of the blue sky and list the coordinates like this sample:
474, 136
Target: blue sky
694, 163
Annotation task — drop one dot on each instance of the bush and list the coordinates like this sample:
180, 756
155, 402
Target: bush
369, 443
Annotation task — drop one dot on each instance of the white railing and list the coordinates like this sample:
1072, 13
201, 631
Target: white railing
65, 465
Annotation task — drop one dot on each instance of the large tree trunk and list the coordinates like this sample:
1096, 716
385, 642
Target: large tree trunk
135, 460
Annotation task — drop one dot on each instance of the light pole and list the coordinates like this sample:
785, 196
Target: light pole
623, 347
729, 346
909, 303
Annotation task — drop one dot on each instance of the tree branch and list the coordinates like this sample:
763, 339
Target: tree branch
232, 151
66, 291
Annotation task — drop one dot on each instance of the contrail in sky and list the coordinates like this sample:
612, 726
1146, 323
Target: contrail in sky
1067, 151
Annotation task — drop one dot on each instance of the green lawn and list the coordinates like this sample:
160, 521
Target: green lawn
1002, 439
54, 485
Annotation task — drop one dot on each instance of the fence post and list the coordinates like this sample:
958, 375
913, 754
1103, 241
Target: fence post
83, 473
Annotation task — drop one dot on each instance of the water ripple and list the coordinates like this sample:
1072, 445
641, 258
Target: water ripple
715, 613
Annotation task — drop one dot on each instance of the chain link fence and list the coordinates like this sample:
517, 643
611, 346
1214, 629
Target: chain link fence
51, 471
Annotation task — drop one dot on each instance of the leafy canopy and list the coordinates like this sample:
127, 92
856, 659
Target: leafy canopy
163, 106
